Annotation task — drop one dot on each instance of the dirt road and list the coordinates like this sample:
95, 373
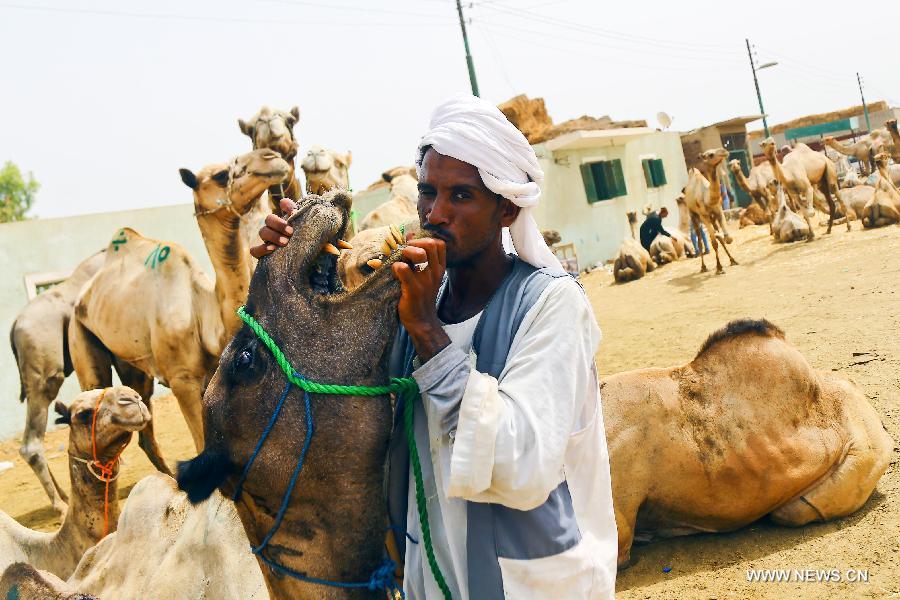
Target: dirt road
837, 298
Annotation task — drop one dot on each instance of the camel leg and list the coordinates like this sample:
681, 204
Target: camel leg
40, 394
805, 210
727, 239
143, 385
189, 392
91, 359
625, 522
714, 239
695, 223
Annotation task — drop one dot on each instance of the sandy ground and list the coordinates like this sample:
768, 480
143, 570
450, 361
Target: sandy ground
837, 299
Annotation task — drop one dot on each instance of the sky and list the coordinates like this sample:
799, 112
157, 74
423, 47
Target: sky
103, 101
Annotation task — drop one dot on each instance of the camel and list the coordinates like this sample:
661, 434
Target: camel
326, 170
402, 205
759, 186
551, 236
703, 200
186, 551
633, 262
101, 423
274, 129
851, 179
41, 350
804, 173
856, 198
746, 429
753, 215
334, 521
664, 250
894, 147
884, 207
177, 322
787, 226
861, 150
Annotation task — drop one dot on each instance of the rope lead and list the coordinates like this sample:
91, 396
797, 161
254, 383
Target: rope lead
406, 389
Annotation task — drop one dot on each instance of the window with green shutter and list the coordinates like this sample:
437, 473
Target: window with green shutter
654, 173
603, 180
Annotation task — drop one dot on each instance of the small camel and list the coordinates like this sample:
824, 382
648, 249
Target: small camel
274, 129
101, 423
863, 150
402, 205
759, 185
177, 322
856, 198
326, 170
753, 215
787, 226
41, 350
746, 429
333, 526
703, 199
894, 148
632, 262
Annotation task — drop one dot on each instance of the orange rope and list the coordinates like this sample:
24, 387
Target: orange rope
106, 469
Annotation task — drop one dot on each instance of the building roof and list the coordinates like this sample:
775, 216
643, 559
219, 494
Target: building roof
837, 115
732, 122
596, 138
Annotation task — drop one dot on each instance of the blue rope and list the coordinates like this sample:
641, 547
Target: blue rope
404, 532
382, 578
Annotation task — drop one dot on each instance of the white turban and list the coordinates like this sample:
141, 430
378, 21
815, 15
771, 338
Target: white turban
476, 132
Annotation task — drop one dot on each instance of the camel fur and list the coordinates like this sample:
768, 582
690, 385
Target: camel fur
787, 226
746, 429
759, 185
120, 412
402, 206
334, 524
633, 262
326, 170
177, 321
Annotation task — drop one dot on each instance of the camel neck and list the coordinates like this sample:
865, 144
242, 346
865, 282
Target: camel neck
83, 524
229, 254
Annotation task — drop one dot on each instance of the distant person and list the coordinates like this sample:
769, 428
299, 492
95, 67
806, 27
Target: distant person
705, 248
652, 227
726, 198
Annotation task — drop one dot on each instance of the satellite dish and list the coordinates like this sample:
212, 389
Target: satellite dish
664, 119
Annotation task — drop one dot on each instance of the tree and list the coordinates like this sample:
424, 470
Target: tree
16, 193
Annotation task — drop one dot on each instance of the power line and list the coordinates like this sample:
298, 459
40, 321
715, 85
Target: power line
204, 18
497, 58
359, 9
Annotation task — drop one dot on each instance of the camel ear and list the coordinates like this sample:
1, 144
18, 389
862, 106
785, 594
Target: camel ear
65, 415
348, 159
387, 176
295, 112
188, 178
245, 129
221, 177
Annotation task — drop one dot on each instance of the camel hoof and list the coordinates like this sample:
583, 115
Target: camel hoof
734, 262
703, 269
720, 271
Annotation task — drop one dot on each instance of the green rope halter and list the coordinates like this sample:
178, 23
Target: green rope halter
405, 387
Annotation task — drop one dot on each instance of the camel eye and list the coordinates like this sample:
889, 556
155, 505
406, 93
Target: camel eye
244, 360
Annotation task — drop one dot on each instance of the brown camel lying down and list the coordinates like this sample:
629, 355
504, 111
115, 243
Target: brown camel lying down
746, 429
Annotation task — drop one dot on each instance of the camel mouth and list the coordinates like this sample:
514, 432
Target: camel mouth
321, 268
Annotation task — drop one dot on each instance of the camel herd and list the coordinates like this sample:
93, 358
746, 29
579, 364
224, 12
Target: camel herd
747, 428
787, 189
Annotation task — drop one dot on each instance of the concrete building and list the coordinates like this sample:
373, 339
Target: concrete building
38, 253
592, 178
845, 125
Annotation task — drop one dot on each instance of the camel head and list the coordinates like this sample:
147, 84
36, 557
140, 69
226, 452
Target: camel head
120, 412
714, 156
882, 160
768, 148
236, 185
735, 166
397, 171
329, 336
891, 125
326, 170
273, 129
551, 236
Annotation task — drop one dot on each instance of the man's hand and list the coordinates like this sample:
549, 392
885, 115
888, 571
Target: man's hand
276, 233
418, 296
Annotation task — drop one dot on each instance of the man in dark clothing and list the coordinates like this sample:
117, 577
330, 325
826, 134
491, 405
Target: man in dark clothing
652, 226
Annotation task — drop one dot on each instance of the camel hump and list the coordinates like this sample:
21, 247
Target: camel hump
740, 327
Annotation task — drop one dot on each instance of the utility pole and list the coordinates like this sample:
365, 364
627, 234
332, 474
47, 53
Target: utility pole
462, 25
865, 108
762, 111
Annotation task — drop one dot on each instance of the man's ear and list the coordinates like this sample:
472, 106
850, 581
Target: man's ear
508, 212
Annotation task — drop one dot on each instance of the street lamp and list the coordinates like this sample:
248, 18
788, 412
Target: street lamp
754, 68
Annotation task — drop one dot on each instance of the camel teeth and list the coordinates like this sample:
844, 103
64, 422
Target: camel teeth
344, 245
331, 249
398, 235
385, 248
375, 263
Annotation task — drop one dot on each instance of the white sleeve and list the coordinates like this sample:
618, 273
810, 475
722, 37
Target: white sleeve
512, 433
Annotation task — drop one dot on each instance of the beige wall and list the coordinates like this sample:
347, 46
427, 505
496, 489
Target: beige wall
58, 245
597, 230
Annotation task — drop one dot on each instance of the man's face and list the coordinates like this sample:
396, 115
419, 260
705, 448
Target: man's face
664, 212
456, 207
